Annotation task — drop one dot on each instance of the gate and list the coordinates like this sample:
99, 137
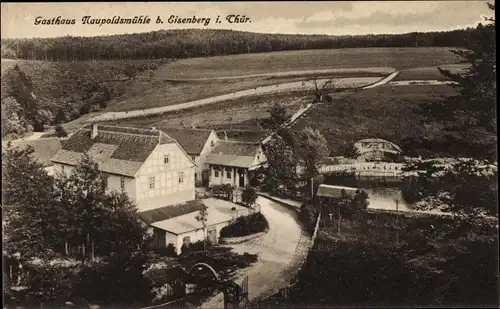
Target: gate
236, 296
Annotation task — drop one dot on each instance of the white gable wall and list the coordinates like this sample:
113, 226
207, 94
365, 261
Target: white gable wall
259, 158
167, 188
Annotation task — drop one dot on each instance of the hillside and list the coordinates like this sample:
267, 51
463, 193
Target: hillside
67, 90
188, 43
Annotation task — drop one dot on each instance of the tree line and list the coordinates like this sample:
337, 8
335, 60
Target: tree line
188, 43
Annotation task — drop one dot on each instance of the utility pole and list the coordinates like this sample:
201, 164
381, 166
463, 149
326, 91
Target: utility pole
312, 187
396, 200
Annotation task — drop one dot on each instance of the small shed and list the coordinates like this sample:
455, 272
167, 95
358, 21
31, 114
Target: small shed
330, 191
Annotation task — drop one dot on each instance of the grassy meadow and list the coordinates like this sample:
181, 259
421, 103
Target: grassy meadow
263, 63
244, 113
430, 73
382, 112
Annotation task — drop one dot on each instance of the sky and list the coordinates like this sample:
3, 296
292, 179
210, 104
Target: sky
333, 18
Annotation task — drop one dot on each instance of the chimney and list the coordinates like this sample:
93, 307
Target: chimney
225, 136
94, 131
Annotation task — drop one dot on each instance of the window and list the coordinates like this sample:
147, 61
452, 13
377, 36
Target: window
151, 182
122, 183
228, 173
212, 144
216, 171
62, 168
181, 177
166, 159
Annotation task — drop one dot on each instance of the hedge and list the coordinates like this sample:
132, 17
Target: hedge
244, 226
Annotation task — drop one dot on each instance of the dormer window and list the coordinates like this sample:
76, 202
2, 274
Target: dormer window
166, 159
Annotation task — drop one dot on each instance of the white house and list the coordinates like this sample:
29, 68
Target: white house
177, 225
198, 144
147, 164
235, 163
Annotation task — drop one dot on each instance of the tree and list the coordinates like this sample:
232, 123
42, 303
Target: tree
202, 217
278, 115
60, 132
281, 163
319, 91
60, 116
471, 116
311, 148
249, 196
465, 187
30, 214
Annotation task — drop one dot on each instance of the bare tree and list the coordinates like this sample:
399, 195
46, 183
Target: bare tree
202, 217
319, 90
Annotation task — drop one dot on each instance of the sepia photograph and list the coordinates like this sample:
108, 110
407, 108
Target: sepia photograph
246, 155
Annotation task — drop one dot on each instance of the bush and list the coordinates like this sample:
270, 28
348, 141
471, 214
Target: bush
168, 251
48, 283
119, 281
60, 132
308, 216
244, 226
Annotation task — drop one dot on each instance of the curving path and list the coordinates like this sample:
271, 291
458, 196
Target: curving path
292, 86
277, 261
300, 73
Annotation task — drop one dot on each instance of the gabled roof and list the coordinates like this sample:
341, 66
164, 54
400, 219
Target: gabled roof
219, 211
117, 150
191, 140
44, 148
236, 154
168, 212
334, 191
249, 136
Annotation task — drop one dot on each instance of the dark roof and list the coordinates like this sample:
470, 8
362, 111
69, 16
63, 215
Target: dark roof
242, 135
117, 150
44, 148
168, 212
236, 148
191, 140
237, 154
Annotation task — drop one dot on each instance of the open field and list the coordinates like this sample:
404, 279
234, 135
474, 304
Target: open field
243, 113
321, 59
383, 112
430, 73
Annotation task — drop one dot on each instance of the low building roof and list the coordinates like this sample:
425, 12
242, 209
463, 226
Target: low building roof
236, 154
44, 148
191, 140
334, 191
219, 211
253, 136
171, 211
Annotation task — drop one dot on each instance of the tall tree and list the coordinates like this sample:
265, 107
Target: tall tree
28, 206
278, 115
202, 217
311, 148
281, 163
466, 187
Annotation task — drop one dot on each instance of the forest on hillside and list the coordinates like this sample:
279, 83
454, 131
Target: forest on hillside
187, 43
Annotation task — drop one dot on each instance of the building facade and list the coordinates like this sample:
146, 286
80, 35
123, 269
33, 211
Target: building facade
198, 144
148, 165
234, 163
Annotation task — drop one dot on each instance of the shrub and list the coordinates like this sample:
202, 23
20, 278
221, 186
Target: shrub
60, 132
117, 281
308, 216
168, 251
244, 226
